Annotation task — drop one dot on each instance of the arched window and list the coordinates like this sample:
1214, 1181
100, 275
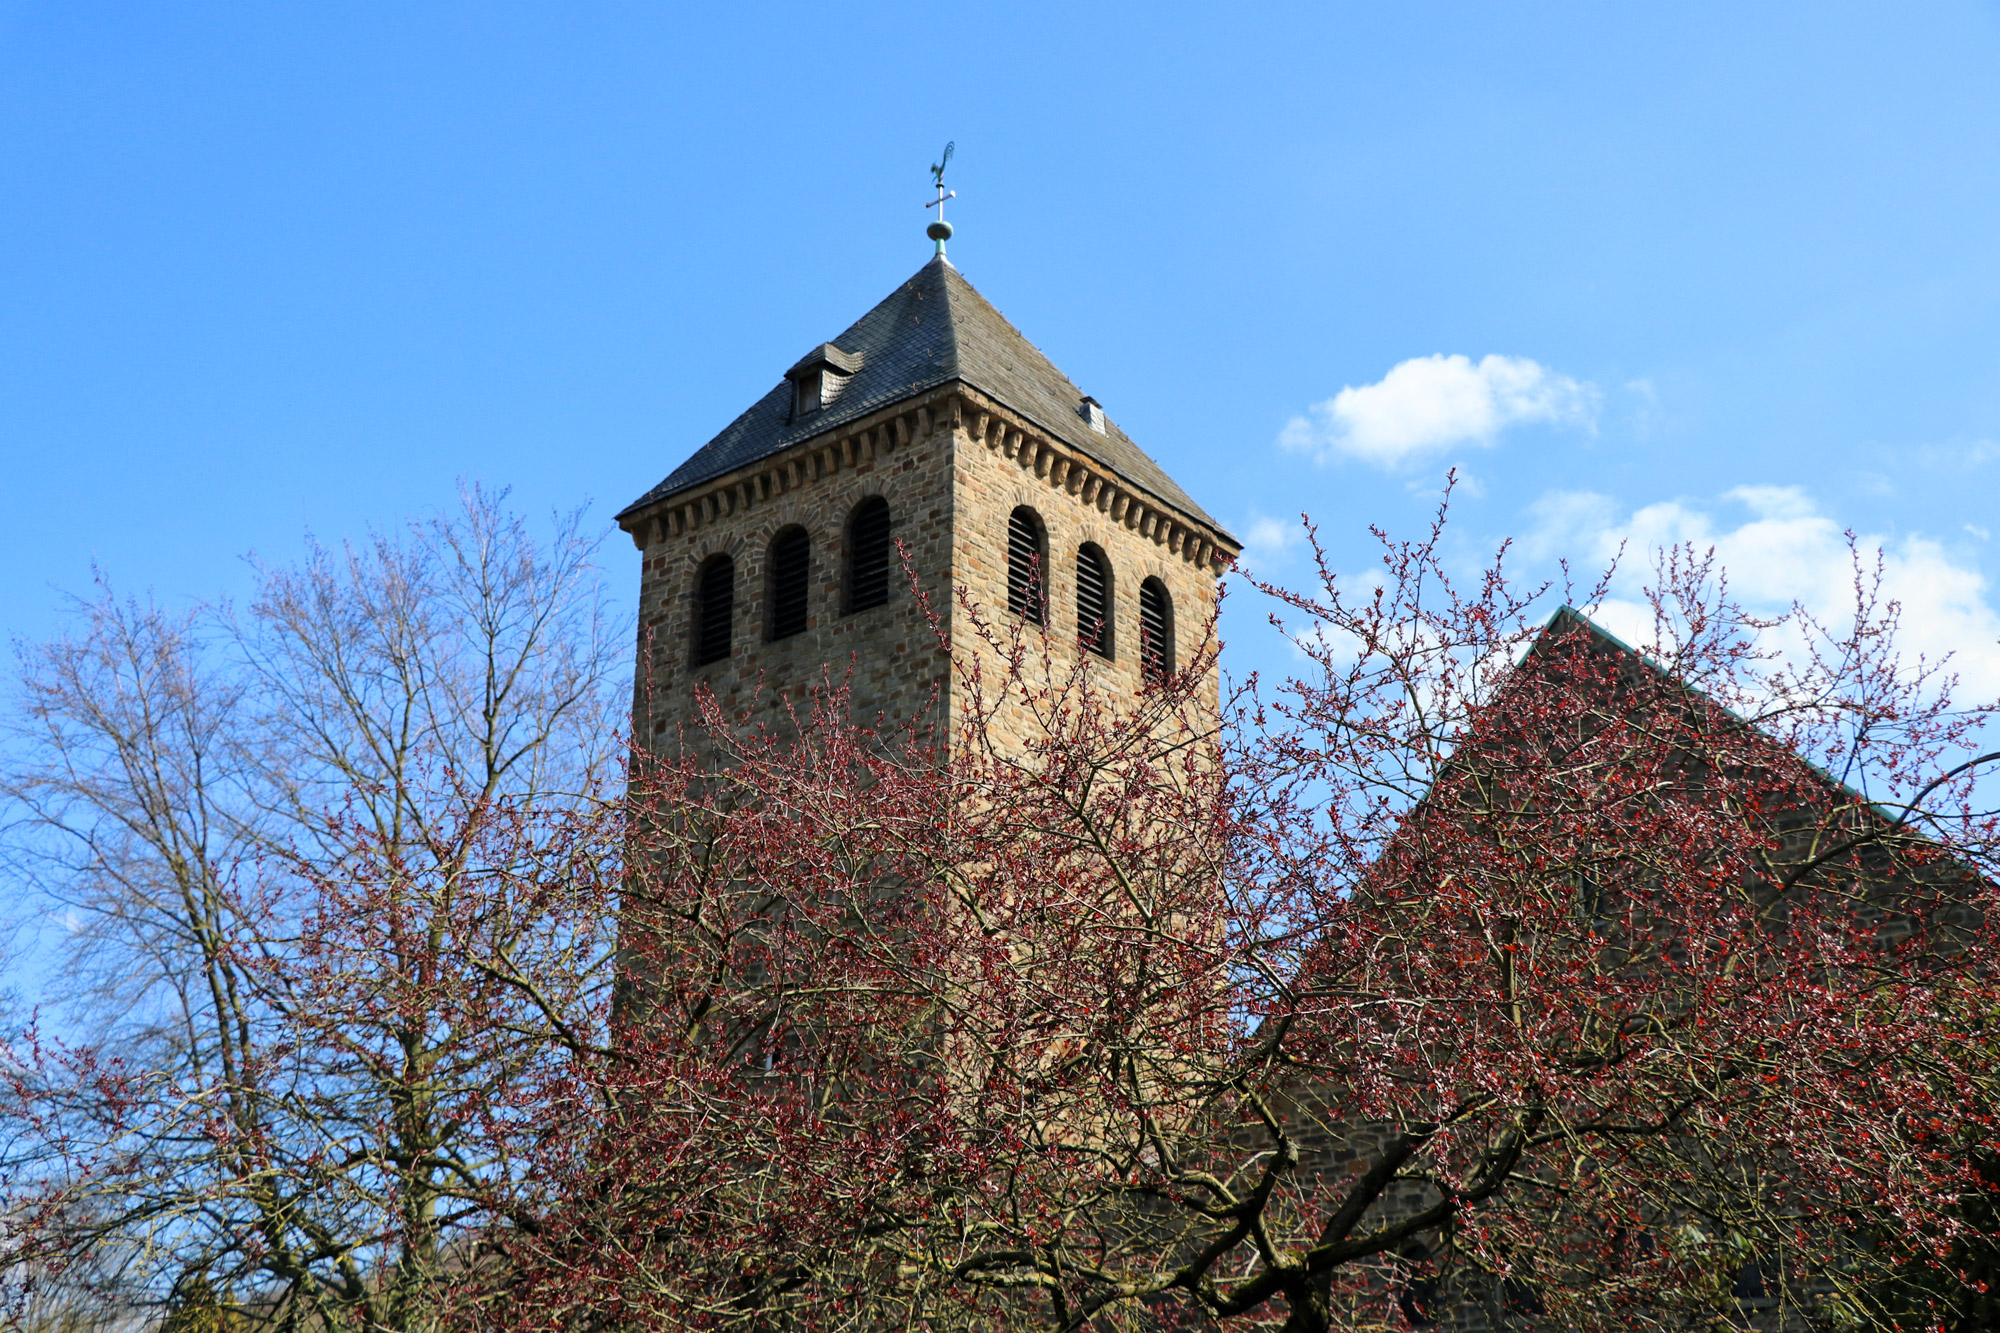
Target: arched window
790, 566
714, 608
1027, 557
1156, 629
1093, 599
868, 554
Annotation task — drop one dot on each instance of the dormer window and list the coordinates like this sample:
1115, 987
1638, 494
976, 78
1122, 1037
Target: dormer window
1092, 414
819, 377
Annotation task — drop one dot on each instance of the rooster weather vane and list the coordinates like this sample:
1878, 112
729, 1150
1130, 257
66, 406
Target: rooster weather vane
940, 230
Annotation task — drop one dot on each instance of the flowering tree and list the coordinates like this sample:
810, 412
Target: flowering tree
1488, 963
1661, 979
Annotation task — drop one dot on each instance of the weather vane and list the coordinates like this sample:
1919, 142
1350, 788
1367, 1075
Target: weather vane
940, 230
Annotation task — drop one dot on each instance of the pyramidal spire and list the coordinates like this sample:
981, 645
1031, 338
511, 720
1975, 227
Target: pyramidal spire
934, 329
940, 230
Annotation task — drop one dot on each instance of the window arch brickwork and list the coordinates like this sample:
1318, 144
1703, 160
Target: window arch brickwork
868, 555
790, 581
1093, 599
1027, 561
1156, 629
953, 499
715, 610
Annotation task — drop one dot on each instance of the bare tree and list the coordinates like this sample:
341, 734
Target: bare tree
291, 849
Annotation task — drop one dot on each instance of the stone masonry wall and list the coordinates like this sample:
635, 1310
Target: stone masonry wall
1001, 464
952, 466
903, 455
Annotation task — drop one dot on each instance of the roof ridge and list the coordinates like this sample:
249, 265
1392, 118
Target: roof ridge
1652, 663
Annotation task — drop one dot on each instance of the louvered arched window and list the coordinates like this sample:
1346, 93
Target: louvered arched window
1027, 557
1093, 599
868, 554
714, 609
1156, 629
790, 567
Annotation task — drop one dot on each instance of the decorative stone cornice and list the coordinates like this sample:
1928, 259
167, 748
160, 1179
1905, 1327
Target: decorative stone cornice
1065, 468
956, 407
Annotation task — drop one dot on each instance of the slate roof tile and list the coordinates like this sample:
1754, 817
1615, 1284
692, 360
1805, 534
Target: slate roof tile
932, 330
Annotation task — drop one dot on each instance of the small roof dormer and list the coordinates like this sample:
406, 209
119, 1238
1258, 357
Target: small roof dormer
1093, 415
819, 377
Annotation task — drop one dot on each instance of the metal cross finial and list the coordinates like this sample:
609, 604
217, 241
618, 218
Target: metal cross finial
940, 230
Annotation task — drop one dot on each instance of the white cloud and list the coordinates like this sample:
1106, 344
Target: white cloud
1784, 549
1267, 539
1571, 524
1434, 402
1968, 456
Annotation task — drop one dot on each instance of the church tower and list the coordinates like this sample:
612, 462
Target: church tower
771, 555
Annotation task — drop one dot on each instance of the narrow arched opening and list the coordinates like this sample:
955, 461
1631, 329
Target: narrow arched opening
714, 609
868, 555
1093, 599
790, 581
1156, 630
1027, 558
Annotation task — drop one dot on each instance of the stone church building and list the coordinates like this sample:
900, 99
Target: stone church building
929, 442
930, 453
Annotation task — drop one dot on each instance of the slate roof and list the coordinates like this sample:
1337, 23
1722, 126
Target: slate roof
930, 331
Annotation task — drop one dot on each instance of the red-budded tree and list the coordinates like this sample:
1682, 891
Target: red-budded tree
1491, 967
1661, 978
1486, 967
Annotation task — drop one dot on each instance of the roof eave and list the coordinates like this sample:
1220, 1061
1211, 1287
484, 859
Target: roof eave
642, 507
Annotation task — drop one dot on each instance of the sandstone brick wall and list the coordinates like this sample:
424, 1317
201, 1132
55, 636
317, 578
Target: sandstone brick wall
952, 465
890, 649
1002, 464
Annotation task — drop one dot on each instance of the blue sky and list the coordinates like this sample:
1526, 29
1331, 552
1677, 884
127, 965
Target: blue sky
1720, 271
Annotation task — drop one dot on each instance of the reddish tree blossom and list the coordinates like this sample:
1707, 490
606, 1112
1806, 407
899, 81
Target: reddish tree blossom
1487, 964
1492, 964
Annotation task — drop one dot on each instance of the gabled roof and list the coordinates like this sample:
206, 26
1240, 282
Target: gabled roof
1568, 620
930, 331
1570, 631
